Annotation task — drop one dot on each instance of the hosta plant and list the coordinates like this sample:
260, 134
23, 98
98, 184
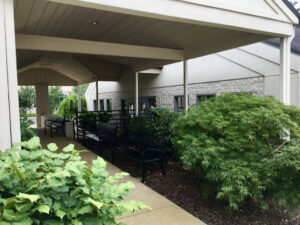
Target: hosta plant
239, 145
51, 187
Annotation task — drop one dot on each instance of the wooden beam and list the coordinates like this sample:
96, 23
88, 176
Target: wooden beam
44, 43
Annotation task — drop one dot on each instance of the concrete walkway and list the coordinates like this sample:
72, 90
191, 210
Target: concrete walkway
164, 212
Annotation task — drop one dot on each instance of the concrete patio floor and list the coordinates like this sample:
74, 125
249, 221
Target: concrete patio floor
164, 212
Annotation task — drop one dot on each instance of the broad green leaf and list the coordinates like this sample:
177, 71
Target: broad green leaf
52, 147
34, 143
10, 215
95, 203
68, 148
32, 198
86, 209
60, 214
26, 221
44, 209
36, 154
24, 206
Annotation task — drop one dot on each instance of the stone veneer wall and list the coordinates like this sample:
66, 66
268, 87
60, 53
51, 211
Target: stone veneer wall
165, 95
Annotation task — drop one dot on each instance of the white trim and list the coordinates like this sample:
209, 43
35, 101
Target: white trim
136, 102
44, 43
79, 98
97, 95
285, 65
185, 84
10, 81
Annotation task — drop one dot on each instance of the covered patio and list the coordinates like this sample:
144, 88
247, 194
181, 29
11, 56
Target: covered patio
73, 42
76, 42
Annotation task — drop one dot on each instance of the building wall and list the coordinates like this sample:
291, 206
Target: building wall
253, 68
165, 95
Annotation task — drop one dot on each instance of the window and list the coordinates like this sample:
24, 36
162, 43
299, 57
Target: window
127, 105
147, 103
108, 104
201, 98
94, 105
178, 103
101, 101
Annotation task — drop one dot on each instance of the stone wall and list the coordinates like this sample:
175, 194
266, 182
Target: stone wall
165, 95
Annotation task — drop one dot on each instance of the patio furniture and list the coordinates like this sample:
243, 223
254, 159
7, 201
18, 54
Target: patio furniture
143, 149
106, 135
55, 123
102, 133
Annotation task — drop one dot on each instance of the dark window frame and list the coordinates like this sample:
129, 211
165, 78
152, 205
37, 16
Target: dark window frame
207, 96
109, 104
176, 108
101, 104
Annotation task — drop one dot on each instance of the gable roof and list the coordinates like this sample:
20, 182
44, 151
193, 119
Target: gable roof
295, 43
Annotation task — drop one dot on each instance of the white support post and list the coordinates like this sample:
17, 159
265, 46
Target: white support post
97, 96
42, 103
285, 67
9, 114
79, 98
136, 105
185, 81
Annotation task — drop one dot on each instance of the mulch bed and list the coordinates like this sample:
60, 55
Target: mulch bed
183, 187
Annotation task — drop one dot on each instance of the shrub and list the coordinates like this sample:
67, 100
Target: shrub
230, 143
68, 107
157, 122
89, 119
26, 131
47, 187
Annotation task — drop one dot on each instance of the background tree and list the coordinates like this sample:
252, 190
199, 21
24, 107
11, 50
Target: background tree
83, 89
55, 98
26, 98
68, 107
295, 3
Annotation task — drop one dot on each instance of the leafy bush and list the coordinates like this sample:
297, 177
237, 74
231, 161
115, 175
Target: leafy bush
157, 122
26, 131
46, 187
68, 107
231, 143
89, 119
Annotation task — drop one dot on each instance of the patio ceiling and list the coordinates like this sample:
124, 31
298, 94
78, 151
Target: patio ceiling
138, 34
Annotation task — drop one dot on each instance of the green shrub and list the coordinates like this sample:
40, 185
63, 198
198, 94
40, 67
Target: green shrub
156, 123
26, 131
68, 107
89, 119
47, 187
230, 143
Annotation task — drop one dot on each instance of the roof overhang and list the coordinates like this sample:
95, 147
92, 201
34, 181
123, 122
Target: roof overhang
142, 34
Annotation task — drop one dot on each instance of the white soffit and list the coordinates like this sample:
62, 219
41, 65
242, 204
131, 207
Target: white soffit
171, 29
270, 17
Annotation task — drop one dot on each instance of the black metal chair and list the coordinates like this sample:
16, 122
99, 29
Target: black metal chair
55, 123
143, 149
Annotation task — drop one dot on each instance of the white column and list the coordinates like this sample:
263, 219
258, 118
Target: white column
78, 98
136, 104
185, 81
9, 113
285, 67
97, 96
42, 103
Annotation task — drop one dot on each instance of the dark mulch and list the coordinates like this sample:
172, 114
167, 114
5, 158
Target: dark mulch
183, 187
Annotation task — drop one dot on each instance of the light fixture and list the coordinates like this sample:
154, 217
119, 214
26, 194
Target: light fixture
95, 22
